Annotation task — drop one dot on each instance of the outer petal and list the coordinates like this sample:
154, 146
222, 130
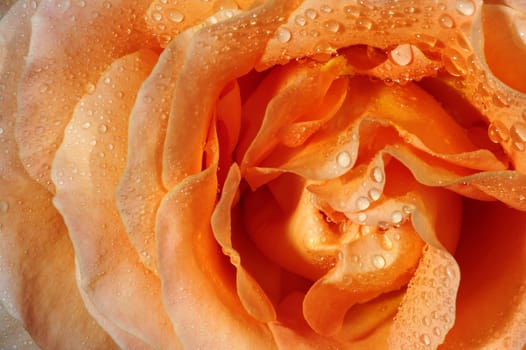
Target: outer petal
86, 171
198, 284
37, 277
62, 66
491, 304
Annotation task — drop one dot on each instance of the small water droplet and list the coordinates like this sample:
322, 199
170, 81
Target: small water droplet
387, 243
147, 99
465, 7
283, 35
33, 4
103, 128
4, 207
352, 11
343, 159
86, 125
497, 132
355, 258
446, 21
107, 80
378, 261
326, 8
396, 217
402, 55
374, 194
377, 175
437, 331
1, 130
428, 40
454, 63
332, 26
362, 203
364, 24
500, 99
424, 338
175, 16
157, 16
362, 217
311, 13
426, 321
518, 135
90, 88
300, 20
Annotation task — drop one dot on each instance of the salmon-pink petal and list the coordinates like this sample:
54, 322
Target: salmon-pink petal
217, 56
61, 67
198, 284
13, 334
86, 172
427, 311
505, 49
140, 190
305, 90
37, 274
253, 298
491, 303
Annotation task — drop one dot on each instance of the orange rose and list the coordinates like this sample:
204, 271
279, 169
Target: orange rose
263, 174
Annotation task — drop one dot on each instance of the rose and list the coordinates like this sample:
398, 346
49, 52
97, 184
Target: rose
86, 129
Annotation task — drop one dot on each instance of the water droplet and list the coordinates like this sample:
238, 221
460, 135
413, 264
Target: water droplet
387, 243
157, 16
107, 80
454, 63
332, 26
103, 128
1, 130
520, 27
364, 24
500, 99
4, 207
147, 99
300, 20
378, 261
428, 40
446, 21
326, 9
362, 217
437, 331
175, 16
86, 125
374, 194
107, 4
424, 338
33, 4
343, 159
402, 55
362, 203
352, 11
377, 175
518, 136
396, 217
311, 13
283, 35
90, 88
497, 132
465, 7
426, 321
355, 258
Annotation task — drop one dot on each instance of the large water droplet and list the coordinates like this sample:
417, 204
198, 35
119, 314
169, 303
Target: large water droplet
374, 194
311, 13
465, 7
175, 16
497, 132
378, 261
454, 63
520, 27
343, 159
283, 35
396, 217
362, 203
377, 175
446, 21
332, 26
518, 132
402, 55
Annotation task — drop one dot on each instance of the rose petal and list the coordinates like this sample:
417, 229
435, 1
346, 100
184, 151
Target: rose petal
197, 281
13, 334
60, 69
200, 83
491, 303
86, 171
428, 308
140, 190
34, 242
505, 49
250, 292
